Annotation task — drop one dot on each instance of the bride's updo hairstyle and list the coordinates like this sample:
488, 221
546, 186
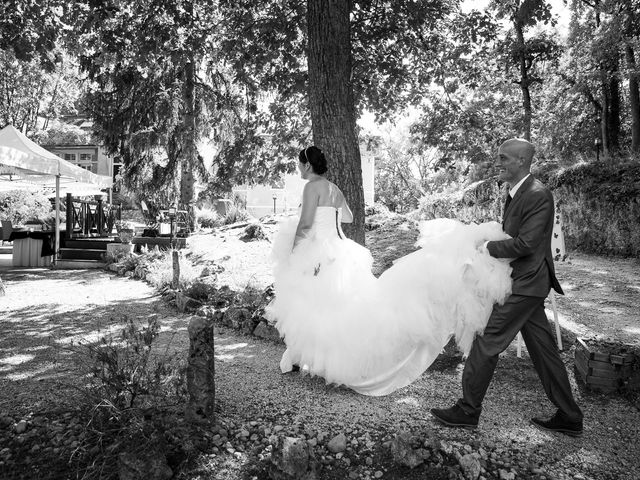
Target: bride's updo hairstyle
315, 157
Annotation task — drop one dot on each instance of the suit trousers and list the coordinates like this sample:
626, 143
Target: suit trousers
525, 314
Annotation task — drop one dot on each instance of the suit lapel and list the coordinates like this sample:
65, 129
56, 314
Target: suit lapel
523, 188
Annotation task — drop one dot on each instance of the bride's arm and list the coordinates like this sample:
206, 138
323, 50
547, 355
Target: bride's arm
347, 216
308, 212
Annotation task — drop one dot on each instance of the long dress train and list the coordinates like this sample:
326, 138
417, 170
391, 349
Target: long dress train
375, 335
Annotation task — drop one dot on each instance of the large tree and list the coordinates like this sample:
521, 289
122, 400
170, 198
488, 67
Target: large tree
331, 100
383, 58
144, 59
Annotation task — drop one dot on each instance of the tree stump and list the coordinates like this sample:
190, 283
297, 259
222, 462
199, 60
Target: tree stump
200, 371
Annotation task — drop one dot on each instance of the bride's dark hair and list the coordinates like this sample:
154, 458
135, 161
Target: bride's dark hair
315, 157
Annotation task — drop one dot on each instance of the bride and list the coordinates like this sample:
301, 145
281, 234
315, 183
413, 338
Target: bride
375, 335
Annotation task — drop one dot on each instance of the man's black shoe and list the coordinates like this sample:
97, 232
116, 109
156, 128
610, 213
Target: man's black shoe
559, 423
454, 417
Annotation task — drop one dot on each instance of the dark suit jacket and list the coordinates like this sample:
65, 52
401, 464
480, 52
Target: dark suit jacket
529, 222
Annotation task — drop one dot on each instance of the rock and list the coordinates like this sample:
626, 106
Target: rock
253, 232
206, 311
200, 370
186, 304
143, 465
5, 421
403, 452
337, 444
504, 475
21, 427
240, 319
470, 465
268, 332
292, 459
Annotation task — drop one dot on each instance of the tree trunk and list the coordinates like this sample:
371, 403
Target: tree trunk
604, 119
187, 178
524, 82
331, 101
614, 107
634, 98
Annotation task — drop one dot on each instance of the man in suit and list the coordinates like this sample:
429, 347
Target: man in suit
528, 219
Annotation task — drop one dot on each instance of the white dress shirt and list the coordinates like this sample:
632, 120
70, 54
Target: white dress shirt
515, 188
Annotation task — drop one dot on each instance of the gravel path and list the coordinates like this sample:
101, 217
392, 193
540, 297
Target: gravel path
45, 310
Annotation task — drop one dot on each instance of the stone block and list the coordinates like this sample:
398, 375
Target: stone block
119, 248
200, 370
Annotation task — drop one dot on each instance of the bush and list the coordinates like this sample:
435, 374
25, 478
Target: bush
18, 206
200, 290
254, 232
208, 218
128, 402
235, 215
159, 272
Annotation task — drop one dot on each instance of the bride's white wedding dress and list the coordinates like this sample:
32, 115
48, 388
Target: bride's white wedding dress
375, 335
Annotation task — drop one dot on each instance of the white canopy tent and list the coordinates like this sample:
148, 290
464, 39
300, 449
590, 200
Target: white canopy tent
26, 165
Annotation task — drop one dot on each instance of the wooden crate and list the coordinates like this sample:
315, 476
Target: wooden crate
606, 372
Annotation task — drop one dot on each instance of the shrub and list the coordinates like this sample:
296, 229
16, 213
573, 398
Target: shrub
128, 402
208, 218
18, 206
200, 290
253, 232
235, 215
160, 271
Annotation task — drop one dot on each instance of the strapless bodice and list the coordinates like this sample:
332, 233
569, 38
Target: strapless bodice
327, 223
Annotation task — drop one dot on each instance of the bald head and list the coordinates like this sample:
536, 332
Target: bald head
521, 148
514, 159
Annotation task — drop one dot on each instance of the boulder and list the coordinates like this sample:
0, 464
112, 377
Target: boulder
292, 459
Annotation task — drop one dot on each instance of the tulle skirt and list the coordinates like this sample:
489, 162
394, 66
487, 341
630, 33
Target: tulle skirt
375, 335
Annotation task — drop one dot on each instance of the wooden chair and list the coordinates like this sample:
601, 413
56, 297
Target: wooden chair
554, 307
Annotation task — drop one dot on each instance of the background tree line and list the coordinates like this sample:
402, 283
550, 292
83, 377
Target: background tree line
260, 80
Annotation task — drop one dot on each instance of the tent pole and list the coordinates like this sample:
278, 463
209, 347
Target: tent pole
57, 229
